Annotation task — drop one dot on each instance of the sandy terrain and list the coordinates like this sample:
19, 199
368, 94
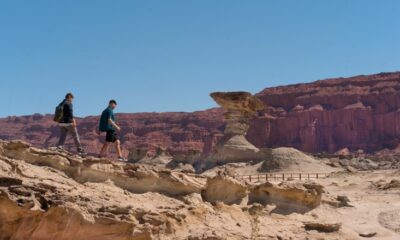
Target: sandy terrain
46, 194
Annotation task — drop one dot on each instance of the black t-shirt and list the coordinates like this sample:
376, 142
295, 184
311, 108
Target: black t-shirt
68, 112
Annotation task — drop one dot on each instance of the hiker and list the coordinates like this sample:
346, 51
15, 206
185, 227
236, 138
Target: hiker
108, 125
65, 117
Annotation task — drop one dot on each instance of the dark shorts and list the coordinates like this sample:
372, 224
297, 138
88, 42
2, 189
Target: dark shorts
111, 136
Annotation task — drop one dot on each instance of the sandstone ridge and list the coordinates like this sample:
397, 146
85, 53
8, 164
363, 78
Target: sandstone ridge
48, 194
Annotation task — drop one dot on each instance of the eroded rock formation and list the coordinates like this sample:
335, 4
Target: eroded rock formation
286, 159
135, 178
240, 108
288, 197
48, 194
224, 189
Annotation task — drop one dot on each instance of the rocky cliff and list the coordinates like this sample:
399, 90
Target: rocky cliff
178, 132
360, 112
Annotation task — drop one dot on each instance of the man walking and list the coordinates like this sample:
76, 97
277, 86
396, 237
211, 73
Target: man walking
67, 123
108, 125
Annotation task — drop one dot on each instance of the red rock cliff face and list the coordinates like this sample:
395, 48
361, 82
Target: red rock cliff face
178, 132
361, 112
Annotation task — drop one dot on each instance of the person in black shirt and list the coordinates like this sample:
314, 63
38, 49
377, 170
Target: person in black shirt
68, 124
107, 124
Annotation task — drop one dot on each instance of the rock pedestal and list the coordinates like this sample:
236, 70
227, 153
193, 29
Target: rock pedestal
240, 108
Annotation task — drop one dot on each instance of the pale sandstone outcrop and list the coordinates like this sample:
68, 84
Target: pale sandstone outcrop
224, 189
137, 154
286, 159
135, 178
58, 202
60, 223
288, 197
48, 195
390, 219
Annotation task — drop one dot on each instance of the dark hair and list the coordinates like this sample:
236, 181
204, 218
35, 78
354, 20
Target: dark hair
113, 101
69, 95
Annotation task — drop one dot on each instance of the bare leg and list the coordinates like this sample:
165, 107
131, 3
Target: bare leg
118, 147
104, 149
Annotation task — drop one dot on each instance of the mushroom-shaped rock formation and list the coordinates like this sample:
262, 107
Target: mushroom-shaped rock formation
240, 108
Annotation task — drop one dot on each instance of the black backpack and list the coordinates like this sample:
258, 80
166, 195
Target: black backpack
59, 113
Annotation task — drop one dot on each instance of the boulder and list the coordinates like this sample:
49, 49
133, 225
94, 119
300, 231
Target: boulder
288, 197
224, 189
137, 154
393, 184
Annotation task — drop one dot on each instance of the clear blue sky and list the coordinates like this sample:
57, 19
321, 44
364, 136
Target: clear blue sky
169, 55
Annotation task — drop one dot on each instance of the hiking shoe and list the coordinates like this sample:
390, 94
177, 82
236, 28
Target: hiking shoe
60, 148
122, 159
82, 153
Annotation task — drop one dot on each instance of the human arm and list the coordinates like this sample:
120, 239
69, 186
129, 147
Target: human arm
70, 112
112, 123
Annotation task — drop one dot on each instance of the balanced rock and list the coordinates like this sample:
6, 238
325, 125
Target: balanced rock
240, 108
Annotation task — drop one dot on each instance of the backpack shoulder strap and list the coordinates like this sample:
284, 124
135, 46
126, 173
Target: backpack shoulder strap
62, 103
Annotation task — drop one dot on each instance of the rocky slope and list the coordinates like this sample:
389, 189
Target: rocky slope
360, 112
46, 194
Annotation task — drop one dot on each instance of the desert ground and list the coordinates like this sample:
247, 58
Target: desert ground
48, 194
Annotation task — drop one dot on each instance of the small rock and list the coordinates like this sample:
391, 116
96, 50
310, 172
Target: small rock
323, 227
351, 169
367, 235
256, 209
393, 184
344, 201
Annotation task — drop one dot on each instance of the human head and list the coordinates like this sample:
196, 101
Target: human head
112, 104
69, 97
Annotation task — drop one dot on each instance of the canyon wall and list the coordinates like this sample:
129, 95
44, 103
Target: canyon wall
178, 132
360, 112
